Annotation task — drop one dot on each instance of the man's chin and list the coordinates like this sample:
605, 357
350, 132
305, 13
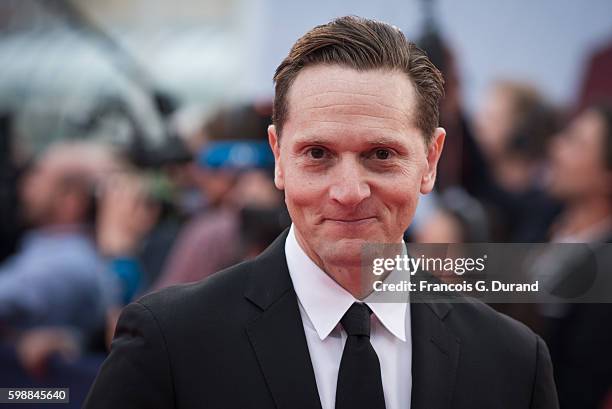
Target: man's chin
345, 250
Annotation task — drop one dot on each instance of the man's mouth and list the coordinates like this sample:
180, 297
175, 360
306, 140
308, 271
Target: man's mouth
352, 220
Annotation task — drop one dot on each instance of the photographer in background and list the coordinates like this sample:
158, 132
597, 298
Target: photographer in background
232, 169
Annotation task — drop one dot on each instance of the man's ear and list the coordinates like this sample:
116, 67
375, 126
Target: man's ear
279, 179
433, 155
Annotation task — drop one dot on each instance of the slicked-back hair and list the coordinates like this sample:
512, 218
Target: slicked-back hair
363, 45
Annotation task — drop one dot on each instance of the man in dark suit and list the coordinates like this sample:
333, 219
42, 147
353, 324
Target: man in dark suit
299, 326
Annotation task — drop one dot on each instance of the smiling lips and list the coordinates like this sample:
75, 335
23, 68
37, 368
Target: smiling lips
352, 221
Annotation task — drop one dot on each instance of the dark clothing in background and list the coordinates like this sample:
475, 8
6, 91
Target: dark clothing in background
10, 230
580, 336
522, 217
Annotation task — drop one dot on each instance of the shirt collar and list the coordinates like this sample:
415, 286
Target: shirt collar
325, 301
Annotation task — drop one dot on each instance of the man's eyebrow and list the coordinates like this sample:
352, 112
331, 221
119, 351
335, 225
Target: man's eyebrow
313, 140
330, 141
385, 140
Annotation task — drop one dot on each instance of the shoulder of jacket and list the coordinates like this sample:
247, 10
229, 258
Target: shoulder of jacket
213, 292
473, 318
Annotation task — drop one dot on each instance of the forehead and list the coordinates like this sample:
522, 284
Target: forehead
333, 98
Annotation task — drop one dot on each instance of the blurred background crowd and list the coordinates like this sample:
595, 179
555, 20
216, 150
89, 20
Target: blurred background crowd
134, 154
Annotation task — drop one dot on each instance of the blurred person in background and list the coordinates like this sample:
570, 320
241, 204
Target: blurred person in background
55, 291
513, 127
580, 335
137, 224
132, 234
233, 171
581, 177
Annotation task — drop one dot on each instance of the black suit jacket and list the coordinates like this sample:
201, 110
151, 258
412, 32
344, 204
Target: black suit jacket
236, 340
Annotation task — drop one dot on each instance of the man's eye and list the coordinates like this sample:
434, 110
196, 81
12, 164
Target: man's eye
382, 154
316, 153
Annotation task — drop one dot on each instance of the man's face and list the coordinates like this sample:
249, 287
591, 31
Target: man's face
351, 160
577, 163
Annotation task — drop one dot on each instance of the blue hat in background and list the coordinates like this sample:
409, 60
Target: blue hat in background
236, 155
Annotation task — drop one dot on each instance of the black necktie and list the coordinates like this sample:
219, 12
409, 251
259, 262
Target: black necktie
359, 381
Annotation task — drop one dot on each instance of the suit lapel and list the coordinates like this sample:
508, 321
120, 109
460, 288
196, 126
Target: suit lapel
435, 356
277, 334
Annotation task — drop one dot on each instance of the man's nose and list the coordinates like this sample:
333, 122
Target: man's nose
349, 187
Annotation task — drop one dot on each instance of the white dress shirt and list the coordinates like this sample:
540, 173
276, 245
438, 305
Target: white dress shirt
322, 304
